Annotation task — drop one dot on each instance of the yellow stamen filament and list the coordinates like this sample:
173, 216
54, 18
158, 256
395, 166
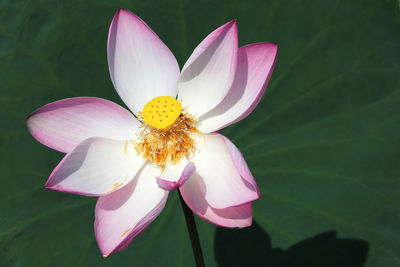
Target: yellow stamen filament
126, 143
126, 231
116, 186
170, 143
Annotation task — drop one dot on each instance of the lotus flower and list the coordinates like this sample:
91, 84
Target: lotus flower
131, 161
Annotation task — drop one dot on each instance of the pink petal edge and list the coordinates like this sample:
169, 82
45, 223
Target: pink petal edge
140, 227
264, 87
209, 72
63, 124
241, 165
231, 217
255, 66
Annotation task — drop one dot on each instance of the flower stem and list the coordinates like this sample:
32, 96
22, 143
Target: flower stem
194, 236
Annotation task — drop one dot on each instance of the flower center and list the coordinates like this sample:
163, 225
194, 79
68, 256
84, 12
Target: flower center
161, 112
165, 133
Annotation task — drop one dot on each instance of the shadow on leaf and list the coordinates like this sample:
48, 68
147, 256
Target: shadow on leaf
252, 247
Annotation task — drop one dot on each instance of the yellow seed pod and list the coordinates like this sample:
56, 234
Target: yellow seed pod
162, 111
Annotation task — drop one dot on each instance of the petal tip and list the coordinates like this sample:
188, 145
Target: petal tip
272, 45
233, 24
233, 21
116, 15
123, 13
123, 10
53, 187
166, 185
48, 184
60, 189
228, 25
275, 46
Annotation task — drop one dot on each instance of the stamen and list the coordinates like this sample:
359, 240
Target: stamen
171, 143
115, 187
126, 231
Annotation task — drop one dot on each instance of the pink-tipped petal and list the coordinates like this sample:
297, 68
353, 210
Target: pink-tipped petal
218, 178
63, 124
175, 175
141, 65
124, 214
237, 216
96, 167
209, 71
255, 65
167, 185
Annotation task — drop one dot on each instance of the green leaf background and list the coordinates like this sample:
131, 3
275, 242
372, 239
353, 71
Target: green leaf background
323, 144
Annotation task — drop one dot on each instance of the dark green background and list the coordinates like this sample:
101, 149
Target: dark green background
323, 144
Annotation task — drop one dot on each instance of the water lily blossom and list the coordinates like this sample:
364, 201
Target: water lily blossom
168, 140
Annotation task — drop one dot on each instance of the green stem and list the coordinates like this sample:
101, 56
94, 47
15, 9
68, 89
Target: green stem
194, 236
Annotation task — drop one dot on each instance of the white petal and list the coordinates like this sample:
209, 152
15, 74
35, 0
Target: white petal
124, 214
63, 124
236, 216
217, 177
97, 166
141, 65
209, 72
255, 65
